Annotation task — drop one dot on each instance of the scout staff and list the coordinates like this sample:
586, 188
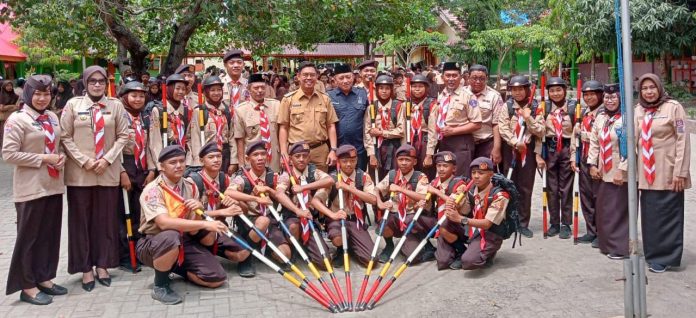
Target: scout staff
350, 104
389, 116
421, 107
32, 144
306, 114
487, 139
665, 155
257, 119
454, 121
94, 130
175, 240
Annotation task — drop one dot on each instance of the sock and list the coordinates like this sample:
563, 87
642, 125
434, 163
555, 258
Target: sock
339, 251
389, 242
161, 278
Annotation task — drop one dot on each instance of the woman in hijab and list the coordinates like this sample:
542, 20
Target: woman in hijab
8, 104
32, 145
153, 90
63, 94
663, 173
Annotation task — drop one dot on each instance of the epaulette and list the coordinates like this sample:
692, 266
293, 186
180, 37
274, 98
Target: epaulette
289, 94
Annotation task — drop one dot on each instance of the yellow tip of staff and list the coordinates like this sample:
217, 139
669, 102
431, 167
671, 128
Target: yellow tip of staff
313, 269
385, 269
329, 268
368, 270
346, 261
401, 269
298, 272
292, 279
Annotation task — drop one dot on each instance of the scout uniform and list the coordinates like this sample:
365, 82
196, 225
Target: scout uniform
390, 118
456, 108
559, 175
400, 92
420, 115
405, 208
359, 240
191, 99
235, 90
612, 200
37, 191
290, 218
665, 153
258, 120
179, 123
510, 122
490, 103
93, 130
308, 118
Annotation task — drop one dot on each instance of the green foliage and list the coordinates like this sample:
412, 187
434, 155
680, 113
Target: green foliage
406, 44
65, 75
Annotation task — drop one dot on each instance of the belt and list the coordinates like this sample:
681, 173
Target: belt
316, 144
483, 141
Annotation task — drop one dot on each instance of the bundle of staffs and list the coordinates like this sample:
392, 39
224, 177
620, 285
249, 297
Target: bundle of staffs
163, 117
373, 255
317, 239
302, 286
578, 151
545, 193
415, 253
344, 241
201, 114
270, 244
393, 255
129, 229
520, 136
331, 298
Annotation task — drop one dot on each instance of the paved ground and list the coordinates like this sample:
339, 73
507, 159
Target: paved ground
543, 278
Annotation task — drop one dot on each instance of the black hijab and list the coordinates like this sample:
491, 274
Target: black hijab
8, 98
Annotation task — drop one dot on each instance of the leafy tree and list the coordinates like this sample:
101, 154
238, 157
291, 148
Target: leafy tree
404, 46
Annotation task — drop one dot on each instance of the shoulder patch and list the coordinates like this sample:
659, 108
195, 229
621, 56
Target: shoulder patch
679, 123
473, 102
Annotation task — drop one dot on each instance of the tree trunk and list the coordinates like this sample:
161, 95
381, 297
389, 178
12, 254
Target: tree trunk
499, 72
182, 34
530, 64
366, 49
123, 35
592, 68
666, 73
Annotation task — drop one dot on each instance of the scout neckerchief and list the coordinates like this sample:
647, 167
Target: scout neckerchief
355, 204
416, 126
235, 93
49, 142
304, 223
557, 121
384, 121
440, 203
264, 128
178, 129
518, 127
401, 181
98, 120
605, 145
139, 138
586, 127
646, 143
211, 194
442, 115
220, 122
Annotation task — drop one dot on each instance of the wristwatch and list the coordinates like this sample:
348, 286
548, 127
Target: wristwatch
334, 149
464, 221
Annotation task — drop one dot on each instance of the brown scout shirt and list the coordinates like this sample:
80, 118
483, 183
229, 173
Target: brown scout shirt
579, 130
308, 117
671, 146
237, 184
210, 133
534, 127
77, 138
152, 202
23, 146
368, 187
460, 112
129, 148
490, 103
495, 211
594, 157
156, 135
393, 132
463, 204
247, 126
244, 94
204, 197
567, 122
421, 188
400, 92
284, 181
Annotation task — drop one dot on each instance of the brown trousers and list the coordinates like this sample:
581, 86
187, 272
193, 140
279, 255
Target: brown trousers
476, 255
310, 246
523, 177
418, 232
35, 256
483, 149
446, 253
463, 148
559, 180
137, 177
588, 197
360, 243
92, 228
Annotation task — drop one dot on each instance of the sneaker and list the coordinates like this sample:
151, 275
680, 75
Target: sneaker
165, 295
246, 268
526, 232
457, 264
595, 243
428, 255
386, 252
553, 230
565, 232
616, 256
657, 268
587, 238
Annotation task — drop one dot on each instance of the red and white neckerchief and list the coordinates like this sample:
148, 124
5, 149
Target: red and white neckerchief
235, 94
647, 149
586, 128
440, 204
180, 257
356, 206
262, 210
265, 128
304, 223
139, 150
605, 145
479, 208
416, 125
220, 122
521, 154
212, 195
442, 116
99, 125
557, 121
384, 121
403, 200
49, 142
178, 129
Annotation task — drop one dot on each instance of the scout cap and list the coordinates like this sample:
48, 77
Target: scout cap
212, 80
367, 63
482, 163
170, 152
298, 147
131, 87
384, 80
346, 151
209, 148
418, 78
519, 80
556, 81
406, 150
185, 68
592, 86
256, 145
232, 54
176, 78
611, 89
446, 157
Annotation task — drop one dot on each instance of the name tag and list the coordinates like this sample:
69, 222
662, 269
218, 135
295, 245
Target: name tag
296, 105
83, 113
105, 112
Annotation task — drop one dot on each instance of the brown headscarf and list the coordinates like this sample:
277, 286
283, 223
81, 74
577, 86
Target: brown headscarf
33, 84
8, 98
660, 88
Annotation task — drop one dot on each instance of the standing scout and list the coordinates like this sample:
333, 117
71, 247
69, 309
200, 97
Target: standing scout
94, 130
31, 143
368, 73
389, 130
187, 71
306, 114
310, 180
399, 86
409, 187
454, 121
175, 239
593, 95
138, 163
421, 107
487, 138
489, 203
523, 152
559, 132
217, 121
257, 120
350, 104
178, 118
358, 189
235, 89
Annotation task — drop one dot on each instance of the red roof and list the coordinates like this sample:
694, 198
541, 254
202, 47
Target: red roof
9, 52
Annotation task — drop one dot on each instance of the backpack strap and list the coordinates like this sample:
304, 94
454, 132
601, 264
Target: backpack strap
395, 108
510, 107
414, 179
311, 169
428, 105
198, 180
392, 176
452, 184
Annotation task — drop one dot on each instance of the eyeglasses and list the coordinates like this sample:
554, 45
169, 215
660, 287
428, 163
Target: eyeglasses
97, 81
477, 79
611, 96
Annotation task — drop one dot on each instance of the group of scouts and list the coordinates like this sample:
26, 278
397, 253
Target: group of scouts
216, 169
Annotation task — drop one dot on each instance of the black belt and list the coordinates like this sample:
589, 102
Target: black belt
317, 144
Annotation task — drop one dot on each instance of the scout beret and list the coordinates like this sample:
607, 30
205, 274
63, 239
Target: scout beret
367, 63
342, 68
171, 151
384, 80
451, 66
256, 78
478, 68
298, 147
556, 81
445, 156
406, 150
176, 78
346, 151
482, 163
212, 80
209, 148
304, 65
592, 85
232, 54
419, 78
130, 87
88, 72
184, 68
256, 145
612, 89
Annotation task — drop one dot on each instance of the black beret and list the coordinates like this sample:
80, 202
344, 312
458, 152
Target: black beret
171, 151
451, 66
232, 54
367, 63
445, 156
612, 89
406, 150
209, 148
184, 68
298, 147
482, 163
256, 78
346, 151
256, 145
342, 68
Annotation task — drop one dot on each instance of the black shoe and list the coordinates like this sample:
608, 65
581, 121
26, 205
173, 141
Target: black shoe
165, 295
246, 268
386, 252
55, 290
658, 268
427, 256
106, 281
126, 266
595, 243
457, 264
565, 232
88, 286
553, 230
41, 298
587, 238
526, 232
337, 261
616, 256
